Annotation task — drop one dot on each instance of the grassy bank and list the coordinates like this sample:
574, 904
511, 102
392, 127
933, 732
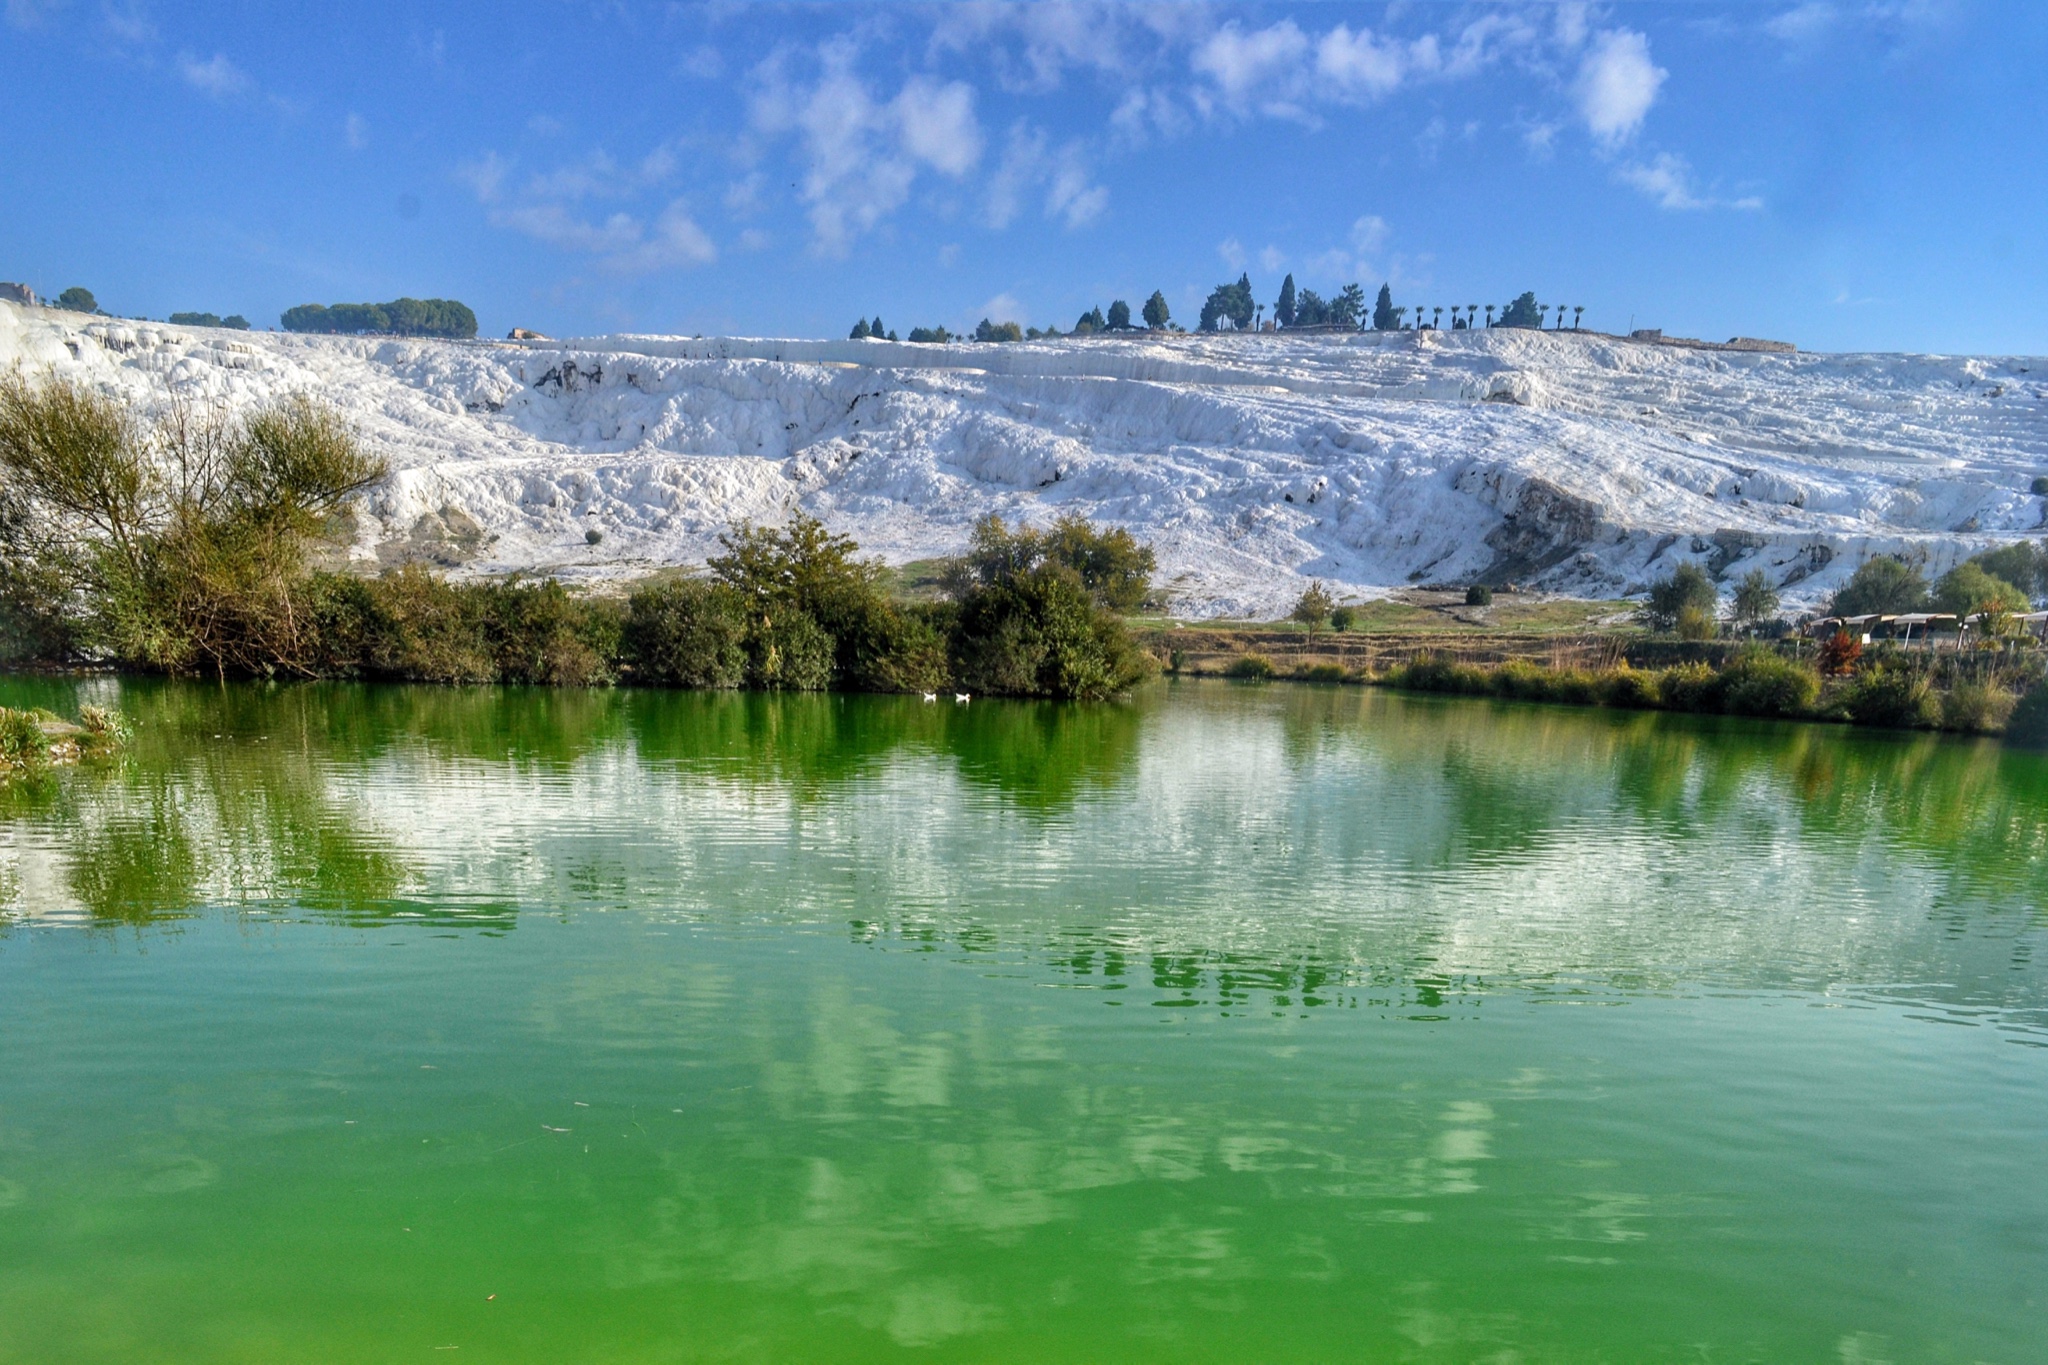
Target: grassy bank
1896, 689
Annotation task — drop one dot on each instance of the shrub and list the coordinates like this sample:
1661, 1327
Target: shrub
1762, 683
22, 743
687, 633
1839, 653
1432, 673
1697, 623
1324, 673
1631, 688
1343, 619
789, 652
1688, 586
1883, 585
2028, 724
414, 625
1891, 697
1114, 566
1976, 708
78, 299
1690, 687
1038, 633
1479, 595
178, 546
1253, 667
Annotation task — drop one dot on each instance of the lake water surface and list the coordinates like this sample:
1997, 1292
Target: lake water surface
1238, 1024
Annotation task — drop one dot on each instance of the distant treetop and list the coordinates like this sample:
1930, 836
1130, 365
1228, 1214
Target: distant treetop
233, 321
400, 317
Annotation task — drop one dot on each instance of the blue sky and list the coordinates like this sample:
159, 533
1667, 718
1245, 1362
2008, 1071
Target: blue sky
1845, 174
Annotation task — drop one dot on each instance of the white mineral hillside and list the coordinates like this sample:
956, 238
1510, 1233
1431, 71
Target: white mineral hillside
1582, 464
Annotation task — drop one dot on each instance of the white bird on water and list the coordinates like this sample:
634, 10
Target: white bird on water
931, 696
962, 698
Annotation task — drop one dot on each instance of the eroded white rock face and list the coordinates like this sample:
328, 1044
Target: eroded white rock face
1582, 464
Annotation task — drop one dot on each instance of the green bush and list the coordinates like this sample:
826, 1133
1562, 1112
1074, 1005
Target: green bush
1251, 667
1039, 633
1631, 688
22, 744
1479, 595
415, 626
687, 633
1343, 618
1762, 683
1324, 673
1690, 687
789, 652
1892, 697
1433, 673
1976, 708
2028, 724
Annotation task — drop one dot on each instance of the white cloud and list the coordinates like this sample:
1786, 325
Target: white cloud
1005, 308
621, 242
1361, 66
862, 155
355, 132
1369, 233
485, 176
1032, 45
1617, 84
754, 239
217, 76
1027, 163
1667, 178
1271, 259
129, 24
1145, 111
1802, 23
1259, 70
938, 124
1232, 252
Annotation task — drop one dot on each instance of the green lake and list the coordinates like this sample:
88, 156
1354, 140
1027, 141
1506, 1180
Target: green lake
1237, 1023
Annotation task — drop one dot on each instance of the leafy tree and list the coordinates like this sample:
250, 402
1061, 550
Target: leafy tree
1229, 301
1157, 314
1755, 599
1385, 318
1523, 312
78, 299
1347, 307
1283, 311
929, 335
2020, 564
1313, 607
1688, 590
1884, 586
998, 331
1311, 309
1114, 566
1090, 321
400, 317
861, 331
181, 546
1119, 316
1967, 589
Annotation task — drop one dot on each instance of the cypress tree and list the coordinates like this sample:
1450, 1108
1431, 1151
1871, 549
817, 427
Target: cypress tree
1384, 318
1157, 314
1283, 311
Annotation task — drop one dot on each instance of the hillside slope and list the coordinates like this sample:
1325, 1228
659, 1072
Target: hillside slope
1579, 463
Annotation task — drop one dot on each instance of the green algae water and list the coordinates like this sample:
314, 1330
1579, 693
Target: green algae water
1232, 1024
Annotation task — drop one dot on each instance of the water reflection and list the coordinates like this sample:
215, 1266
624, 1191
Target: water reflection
1205, 846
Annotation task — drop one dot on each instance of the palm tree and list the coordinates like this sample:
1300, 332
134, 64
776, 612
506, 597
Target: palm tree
1439, 324
1542, 314
1471, 314
1489, 315
1578, 311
